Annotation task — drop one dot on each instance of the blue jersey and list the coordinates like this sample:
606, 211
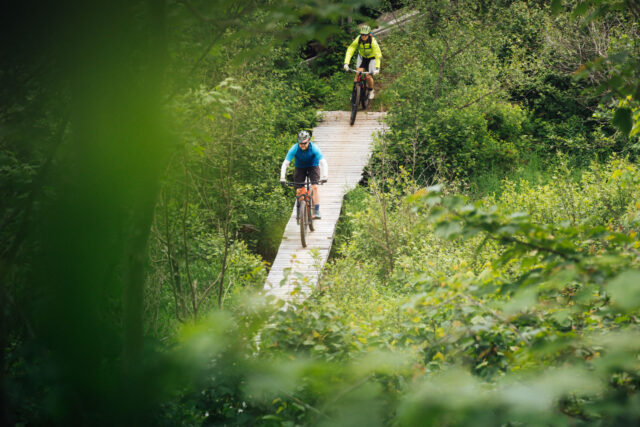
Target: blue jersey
305, 158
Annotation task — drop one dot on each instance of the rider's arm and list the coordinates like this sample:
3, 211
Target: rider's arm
350, 51
324, 168
377, 53
283, 170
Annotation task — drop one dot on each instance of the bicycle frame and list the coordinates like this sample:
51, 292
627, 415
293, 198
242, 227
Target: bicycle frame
306, 191
306, 194
304, 200
361, 78
359, 94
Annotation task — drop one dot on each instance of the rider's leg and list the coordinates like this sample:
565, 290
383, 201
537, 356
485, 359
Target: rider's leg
358, 67
316, 203
298, 192
314, 176
372, 67
299, 175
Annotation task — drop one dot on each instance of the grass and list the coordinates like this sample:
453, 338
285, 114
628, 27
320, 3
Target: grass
537, 169
354, 201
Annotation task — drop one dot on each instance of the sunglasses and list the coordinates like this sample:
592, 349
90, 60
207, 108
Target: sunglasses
304, 142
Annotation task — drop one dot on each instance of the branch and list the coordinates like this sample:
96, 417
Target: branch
196, 13
635, 251
345, 392
497, 316
468, 104
533, 246
175, 276
206, 291
306, 405
184, 240
462, 49
441, 73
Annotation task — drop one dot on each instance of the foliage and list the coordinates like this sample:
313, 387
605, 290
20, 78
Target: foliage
521, 321
604, 195
507, 309
480, 87
140, 211
620, 63
440, 310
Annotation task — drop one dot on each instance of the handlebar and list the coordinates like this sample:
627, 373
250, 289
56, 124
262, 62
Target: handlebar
291, 184
351, 70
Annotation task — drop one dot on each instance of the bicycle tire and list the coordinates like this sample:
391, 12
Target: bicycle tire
303, 223
365, 99
354, 105
310, 215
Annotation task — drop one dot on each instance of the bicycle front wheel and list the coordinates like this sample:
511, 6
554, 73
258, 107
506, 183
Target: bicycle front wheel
364, 99
302, 213
355, 103
310, 214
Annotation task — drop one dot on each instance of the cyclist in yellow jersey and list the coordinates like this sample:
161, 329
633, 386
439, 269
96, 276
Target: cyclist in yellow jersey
369, 55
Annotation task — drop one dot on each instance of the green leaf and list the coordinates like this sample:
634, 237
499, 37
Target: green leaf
436, 213
622, 120
625, 290
522, 300
448, 229
432, 200
556, 6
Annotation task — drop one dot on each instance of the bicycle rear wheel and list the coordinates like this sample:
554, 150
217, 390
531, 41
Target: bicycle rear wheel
303, 222
355, 103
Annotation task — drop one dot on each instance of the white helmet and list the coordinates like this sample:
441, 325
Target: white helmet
303, 136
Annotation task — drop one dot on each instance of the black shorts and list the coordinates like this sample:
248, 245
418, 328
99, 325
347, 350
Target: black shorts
300, 175
365, 63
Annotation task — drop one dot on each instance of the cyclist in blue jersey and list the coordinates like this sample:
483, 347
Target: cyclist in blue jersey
309, 163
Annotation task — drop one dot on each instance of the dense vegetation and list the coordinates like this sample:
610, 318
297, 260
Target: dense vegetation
488, 272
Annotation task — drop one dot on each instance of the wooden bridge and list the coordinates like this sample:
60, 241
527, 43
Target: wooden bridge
295, 270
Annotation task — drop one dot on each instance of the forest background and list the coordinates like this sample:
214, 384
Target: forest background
485, 272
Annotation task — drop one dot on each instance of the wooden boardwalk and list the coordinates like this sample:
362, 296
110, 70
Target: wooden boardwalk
295, 270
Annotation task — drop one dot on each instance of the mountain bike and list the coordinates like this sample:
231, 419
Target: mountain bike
305, 207
360, 93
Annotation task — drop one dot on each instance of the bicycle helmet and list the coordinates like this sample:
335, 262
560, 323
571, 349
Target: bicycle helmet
365, 29
303, 136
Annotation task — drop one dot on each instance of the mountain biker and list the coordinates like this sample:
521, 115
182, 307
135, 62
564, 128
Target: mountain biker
369, 55
309, 163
